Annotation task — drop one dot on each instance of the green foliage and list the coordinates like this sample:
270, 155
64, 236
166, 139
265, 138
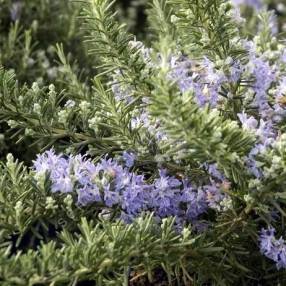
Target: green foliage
205, 26
160, 18
111, 252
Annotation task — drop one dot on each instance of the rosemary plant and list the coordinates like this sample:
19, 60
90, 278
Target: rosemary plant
153, 162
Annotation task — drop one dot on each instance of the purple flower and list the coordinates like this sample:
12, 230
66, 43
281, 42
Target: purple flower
281, 90
283, 56
252, 164
273, 23
165, 195
112, 185
15, 10
249, 123
236, 71
121, 90
88, 194
136, 196
281, 263
214, 196
257, 4
62, 183
195, 200
180, 69
272, 248
200, 77
111, 197
279, 113
152, 126
266, 136
129, 159
266, 132
250, 47
46, 161
57, 168
264, 75
214, 171
267, 238
236, 16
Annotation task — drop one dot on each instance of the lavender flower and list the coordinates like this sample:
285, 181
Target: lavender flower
121, 90
236, 70
214, 196
135, 196
129, 159
266, 135
249, 123
110, 184
214, 171
88, 194
200, 77
281, 89
273, 23
283, 56
195, 201
180, 69
58, 170
15, 10
165, 195
272, 248
264, 75
236, 16
256, 4
145, 52
152, 126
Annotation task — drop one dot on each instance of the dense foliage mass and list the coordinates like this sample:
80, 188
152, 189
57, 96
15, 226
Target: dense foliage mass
155, 159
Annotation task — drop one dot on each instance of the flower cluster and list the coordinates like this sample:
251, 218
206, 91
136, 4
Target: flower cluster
207, 80
273, 248
261, 83
113, 186
202, 78
256, 4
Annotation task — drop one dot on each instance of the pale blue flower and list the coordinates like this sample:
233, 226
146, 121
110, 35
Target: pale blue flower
272, 248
